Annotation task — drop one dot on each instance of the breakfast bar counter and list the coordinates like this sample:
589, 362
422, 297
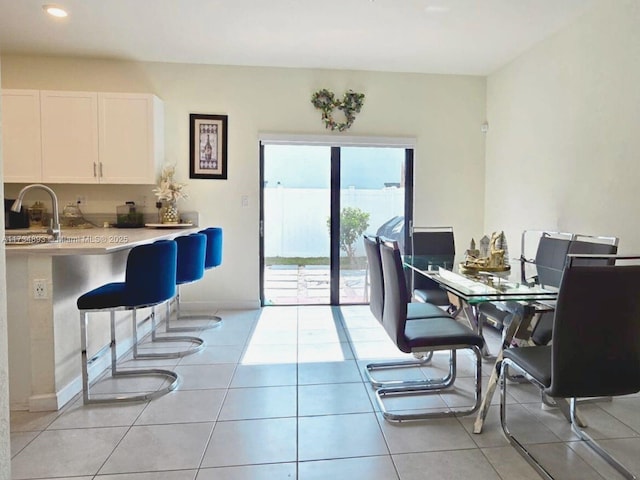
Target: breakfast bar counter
86, 241
44, 280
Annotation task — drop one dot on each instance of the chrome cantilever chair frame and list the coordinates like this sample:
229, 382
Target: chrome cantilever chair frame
421, 335
86, 362
213, 259
578, 305
197, 341
376, 304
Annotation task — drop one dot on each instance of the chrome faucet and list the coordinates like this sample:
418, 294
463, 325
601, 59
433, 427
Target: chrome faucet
54, 228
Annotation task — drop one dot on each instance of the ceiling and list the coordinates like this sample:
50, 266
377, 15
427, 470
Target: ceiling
473, 37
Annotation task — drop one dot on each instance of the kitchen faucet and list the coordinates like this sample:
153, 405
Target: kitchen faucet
54, 228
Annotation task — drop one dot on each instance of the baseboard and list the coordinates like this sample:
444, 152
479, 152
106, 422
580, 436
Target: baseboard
43, 403
19, 406
57, 400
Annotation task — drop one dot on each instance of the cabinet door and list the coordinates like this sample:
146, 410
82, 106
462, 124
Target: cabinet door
69, 137
21, 145
131, 137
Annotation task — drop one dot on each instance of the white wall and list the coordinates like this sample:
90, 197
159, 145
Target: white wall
443, 113
5, 451
563, 147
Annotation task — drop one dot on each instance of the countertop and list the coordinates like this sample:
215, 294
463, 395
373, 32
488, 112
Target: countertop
92, 241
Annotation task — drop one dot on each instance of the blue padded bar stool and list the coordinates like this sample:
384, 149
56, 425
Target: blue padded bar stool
191, 259
189, 267
213, 258
150, 279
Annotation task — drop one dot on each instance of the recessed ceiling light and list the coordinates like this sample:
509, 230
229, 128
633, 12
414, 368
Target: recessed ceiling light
55, 11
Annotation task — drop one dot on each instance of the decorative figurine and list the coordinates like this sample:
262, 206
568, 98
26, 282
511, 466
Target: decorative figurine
484, 246
490, 257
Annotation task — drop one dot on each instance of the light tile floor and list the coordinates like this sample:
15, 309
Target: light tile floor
279, 394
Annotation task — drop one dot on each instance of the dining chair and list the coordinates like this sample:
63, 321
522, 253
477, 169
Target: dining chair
544, 269
596, 344
414, 310
420, 335
437, 245
551, 257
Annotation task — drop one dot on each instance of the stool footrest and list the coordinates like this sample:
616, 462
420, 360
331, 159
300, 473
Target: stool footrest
139, 397
200, 344
217, 321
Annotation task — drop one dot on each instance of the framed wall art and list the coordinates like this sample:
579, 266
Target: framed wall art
208, 149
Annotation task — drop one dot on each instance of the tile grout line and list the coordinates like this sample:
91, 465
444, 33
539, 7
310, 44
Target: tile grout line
226, 393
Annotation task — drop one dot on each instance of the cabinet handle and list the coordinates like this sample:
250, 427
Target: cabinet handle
100, 164
94, 169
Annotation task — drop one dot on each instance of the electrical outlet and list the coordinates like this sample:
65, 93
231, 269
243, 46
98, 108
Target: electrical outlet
244, 201
40, 289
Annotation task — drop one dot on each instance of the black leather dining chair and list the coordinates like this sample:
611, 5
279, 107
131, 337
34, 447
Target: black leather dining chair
596, 344
437, 245
414, 310
551, 257
420, 335
545, 269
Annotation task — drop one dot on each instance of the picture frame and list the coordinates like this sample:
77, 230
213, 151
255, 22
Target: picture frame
208, 146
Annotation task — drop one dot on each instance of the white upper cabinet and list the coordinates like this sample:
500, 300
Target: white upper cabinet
83, 137
69, 137
21, 144
130, 130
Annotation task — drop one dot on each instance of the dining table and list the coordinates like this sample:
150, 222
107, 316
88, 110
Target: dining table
473, 288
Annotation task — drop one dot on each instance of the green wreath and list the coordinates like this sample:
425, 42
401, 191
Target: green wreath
325, 101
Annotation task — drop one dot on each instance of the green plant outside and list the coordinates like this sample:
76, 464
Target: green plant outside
353, 223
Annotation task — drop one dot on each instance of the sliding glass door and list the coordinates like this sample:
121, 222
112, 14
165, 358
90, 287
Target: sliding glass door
296, 202
316, 202
372, 200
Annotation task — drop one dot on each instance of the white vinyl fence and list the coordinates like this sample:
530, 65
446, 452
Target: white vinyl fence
295, 219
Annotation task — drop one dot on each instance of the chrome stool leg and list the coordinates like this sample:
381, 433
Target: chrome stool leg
110, 398
198, 342
215, 321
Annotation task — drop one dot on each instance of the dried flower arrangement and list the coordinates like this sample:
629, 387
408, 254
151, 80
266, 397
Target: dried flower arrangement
168, 189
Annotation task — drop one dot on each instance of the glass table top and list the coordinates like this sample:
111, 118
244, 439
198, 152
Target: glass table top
478, 287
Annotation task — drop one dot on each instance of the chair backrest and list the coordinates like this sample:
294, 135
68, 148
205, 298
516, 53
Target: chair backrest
584, 244
596, 330
435, 242
437, 245
394, 315
553, 248
550, 259
191, 257
150, 276
376, 286
213, 257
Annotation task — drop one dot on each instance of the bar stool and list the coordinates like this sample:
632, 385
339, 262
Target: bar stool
189, 267
212, 259
150, 279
